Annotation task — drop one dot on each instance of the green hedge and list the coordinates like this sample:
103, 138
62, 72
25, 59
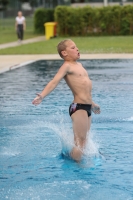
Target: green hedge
111, 20
42, 16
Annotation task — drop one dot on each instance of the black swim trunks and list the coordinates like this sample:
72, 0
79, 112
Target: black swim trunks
78, 106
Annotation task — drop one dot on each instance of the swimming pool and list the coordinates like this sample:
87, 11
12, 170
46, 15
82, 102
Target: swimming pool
32, 137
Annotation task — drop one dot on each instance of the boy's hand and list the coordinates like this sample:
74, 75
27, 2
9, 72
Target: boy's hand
96, 109
37, 100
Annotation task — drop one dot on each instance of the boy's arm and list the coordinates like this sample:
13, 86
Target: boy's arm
95, 108
51, 85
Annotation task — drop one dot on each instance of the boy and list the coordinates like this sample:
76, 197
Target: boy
78, 81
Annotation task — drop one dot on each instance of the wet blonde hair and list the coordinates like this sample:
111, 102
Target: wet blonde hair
62, 46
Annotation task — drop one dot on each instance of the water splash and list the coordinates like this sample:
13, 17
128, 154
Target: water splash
65, 133
129, 119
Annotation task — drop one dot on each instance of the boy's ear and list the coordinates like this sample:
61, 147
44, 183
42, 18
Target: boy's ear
64, 53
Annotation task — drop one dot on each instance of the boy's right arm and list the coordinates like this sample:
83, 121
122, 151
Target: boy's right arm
51, 85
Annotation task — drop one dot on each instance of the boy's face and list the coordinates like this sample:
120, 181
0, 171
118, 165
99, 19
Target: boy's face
71, 50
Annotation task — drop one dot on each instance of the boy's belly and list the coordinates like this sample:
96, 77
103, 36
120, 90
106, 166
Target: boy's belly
84, 99
81, 89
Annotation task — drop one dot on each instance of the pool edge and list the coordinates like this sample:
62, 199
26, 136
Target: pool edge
9, 68
10, 62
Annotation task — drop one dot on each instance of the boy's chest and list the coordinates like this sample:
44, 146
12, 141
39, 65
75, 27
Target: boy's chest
78, 71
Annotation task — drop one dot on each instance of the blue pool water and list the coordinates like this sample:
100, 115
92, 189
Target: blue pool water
32, 138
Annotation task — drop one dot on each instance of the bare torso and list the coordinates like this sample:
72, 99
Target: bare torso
78, 80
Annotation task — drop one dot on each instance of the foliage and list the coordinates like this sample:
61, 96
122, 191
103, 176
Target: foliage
42, 16
111, 20
3, 4
127, 20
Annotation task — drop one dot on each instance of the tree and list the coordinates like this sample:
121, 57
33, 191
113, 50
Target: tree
3, 4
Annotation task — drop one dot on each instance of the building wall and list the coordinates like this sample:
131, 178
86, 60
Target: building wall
100, 4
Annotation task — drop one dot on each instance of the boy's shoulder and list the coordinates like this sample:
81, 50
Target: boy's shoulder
70, 68
64, 68
65, 65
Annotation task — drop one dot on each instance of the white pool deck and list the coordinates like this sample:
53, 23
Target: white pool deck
9, 62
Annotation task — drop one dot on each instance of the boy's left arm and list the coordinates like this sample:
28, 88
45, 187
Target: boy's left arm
95, 108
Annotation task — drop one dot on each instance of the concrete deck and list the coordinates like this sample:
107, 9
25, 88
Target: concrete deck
9, 62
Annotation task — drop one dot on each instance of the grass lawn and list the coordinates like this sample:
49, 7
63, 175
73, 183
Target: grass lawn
8, 33
101, 44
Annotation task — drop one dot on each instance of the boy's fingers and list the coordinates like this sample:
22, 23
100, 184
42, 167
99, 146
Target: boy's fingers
96, 109
37, 100
40, 96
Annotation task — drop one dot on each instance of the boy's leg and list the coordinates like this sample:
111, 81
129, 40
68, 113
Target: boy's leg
81, 125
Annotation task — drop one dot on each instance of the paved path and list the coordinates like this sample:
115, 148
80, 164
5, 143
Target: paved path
14, 44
